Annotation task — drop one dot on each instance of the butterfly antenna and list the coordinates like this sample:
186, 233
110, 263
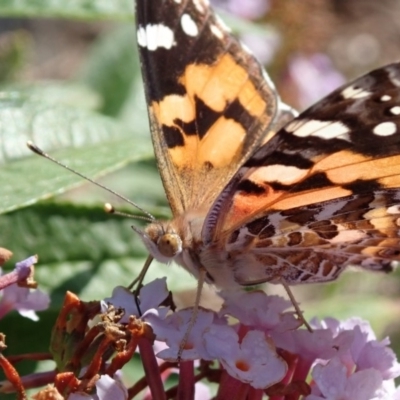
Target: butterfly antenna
40, 152
109, 209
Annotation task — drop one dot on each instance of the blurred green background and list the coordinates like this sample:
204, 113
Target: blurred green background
70, 81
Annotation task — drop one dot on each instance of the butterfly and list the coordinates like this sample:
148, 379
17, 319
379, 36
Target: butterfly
257, 193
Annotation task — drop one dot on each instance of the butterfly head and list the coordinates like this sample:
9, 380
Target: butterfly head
162, 241
169, 245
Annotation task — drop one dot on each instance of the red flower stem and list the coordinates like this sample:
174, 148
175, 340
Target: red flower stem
83, 347
97, 360
122, 357
141, 384
186, 381
255, 394
302, 370
66, 383
231, 388
151, 369
29, 356
12, 375
38, 379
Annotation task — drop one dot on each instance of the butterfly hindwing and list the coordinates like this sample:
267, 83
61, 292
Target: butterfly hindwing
316, 243
210, 103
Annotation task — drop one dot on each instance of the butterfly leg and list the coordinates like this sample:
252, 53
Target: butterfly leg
296, 305
193, 317
138, 282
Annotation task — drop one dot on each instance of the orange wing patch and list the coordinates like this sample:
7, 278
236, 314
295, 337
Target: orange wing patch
221, 84
212, 89
261, 195
211, 129
210, 101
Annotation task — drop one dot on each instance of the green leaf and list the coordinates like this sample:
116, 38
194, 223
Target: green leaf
93, 144
113, 71
81, 249
72, 94
13, 53
78, 9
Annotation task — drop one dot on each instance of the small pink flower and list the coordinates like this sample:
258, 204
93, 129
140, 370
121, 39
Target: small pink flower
173, 328
24, 300
107, 388
377, 355
260, 311
308, 345
252, 360
362, 348
150, 297
22, 271
333, 383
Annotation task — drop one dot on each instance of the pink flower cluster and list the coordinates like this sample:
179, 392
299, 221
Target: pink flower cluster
266, 346
14, 296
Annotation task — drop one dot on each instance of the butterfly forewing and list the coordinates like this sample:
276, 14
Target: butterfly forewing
322, 193
348, 143
209, 101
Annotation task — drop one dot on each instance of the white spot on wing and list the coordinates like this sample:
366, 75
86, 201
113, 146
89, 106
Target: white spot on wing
217, 31
386, 97
332, 273
155, 36
393, 209
330, 209
395, 110
294, 125
353, 92
178, 1
321, 129
189, 26
285, 174
385, 129
222, 24
199, 6
345, 235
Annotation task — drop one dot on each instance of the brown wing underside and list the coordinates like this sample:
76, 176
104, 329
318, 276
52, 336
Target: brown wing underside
316, 243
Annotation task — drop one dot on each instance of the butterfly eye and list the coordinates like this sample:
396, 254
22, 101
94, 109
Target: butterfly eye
169, 244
